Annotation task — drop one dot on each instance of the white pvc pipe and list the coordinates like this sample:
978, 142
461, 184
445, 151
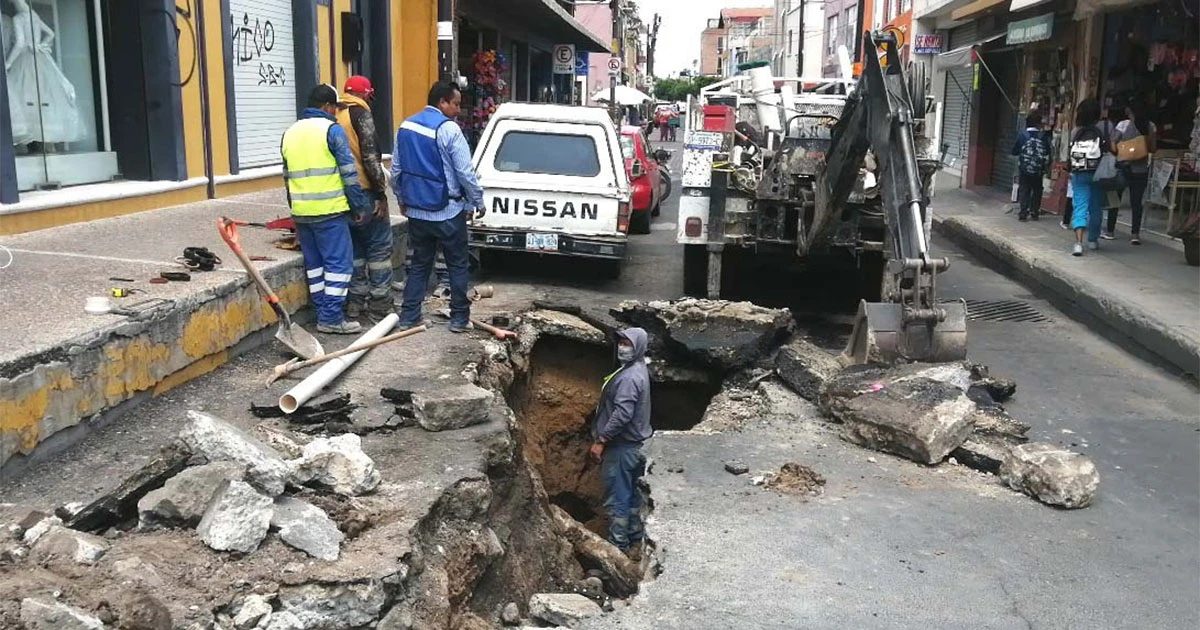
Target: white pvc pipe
765, 99
311, 386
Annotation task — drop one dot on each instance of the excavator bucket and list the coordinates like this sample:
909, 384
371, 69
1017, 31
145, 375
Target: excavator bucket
881, 335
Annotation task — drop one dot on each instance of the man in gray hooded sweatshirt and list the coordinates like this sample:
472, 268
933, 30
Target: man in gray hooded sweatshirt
621, 425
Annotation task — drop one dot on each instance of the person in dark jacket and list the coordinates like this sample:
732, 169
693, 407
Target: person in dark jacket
621, 425
371, 286
1032, 149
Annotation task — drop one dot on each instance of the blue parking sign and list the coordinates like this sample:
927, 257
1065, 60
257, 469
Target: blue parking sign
581, 64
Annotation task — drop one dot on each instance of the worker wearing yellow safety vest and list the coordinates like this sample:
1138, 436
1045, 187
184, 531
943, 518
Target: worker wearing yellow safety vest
325, 195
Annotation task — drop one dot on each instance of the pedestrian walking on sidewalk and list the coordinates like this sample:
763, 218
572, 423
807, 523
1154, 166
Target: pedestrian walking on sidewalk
674, 123
1136, 171
663, 119
620, 427
371, 286
1032, 149
1088, 145
323, 191
438, 192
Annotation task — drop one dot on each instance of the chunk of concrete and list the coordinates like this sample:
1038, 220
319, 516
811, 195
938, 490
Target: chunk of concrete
283, 620
39, 529
861, 379
993, 420
44, 614
120, 505
185, 497
63, 543
717, 333
333, 606
337, 463
218, 440
919, 418
452, 407
511, 615
137, 570
1051, 474
805, 367
253, 611
562, 609
237, 519
985, 453
307, 528
621, 575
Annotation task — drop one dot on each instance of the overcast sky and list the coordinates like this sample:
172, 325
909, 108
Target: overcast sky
679, 35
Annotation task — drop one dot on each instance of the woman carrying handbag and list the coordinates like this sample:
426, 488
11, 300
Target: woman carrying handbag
1134, 139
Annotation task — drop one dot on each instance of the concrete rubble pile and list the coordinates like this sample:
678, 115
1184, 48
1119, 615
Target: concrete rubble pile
714, 333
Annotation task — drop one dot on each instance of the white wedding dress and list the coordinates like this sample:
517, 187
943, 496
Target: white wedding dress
41, 99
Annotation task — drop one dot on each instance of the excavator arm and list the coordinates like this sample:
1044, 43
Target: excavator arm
879, 116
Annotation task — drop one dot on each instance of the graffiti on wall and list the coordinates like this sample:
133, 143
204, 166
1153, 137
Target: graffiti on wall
250, 42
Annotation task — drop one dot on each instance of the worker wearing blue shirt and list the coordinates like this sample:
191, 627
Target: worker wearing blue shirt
436, 185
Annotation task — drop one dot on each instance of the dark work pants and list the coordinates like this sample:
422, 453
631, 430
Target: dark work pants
425, 237
623, 465
1137, 193
1029, 194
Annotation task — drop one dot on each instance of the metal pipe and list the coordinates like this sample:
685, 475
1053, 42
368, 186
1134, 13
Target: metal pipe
445, 39
205, 115
311, 386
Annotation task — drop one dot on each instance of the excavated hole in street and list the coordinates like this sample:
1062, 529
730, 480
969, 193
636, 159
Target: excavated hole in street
554, 402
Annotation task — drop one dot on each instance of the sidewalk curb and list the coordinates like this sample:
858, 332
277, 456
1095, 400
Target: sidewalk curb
1081, 299
78, 384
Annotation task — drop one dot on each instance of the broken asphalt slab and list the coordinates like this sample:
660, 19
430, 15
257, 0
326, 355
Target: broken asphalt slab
715, 333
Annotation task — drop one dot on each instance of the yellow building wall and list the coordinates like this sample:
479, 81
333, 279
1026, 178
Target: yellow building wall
342, 68
189, 75
324, 46
414, 55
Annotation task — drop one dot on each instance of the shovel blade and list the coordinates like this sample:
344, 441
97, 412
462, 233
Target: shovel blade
880, 335
299, 340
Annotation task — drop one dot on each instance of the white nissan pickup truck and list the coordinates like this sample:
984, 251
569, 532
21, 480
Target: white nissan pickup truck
554, 182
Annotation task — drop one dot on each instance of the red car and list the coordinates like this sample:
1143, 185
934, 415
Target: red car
643, 169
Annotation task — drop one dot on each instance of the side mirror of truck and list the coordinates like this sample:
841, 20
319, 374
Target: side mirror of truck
636, 170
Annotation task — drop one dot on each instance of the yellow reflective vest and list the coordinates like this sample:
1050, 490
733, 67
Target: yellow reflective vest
313, 181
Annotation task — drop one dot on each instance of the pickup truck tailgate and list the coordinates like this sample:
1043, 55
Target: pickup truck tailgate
580, 212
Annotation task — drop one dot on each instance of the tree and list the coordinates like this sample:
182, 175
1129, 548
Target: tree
679, 89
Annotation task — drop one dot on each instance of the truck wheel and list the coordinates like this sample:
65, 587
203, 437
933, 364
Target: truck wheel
695, 271
639, 223
666, 184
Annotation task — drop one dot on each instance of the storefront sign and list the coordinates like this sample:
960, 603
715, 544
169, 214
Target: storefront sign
927, 44
1035, 29
564, 59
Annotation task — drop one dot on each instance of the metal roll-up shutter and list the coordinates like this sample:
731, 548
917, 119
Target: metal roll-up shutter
964, 35
956, 115
264, 89
1004, 163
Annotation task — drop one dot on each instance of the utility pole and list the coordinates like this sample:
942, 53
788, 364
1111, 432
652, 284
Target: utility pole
445, 39
652, 44
800, 52
618, 44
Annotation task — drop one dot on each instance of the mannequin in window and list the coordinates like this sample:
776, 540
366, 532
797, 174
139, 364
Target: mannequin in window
38, 92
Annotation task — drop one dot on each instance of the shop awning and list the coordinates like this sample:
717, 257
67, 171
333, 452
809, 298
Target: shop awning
1088, 8
542, 23
1021, 5
961, 56
975, 8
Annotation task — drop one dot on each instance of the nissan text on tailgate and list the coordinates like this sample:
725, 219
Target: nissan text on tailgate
554, 183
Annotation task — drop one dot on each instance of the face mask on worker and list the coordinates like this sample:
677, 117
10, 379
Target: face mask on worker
624, 353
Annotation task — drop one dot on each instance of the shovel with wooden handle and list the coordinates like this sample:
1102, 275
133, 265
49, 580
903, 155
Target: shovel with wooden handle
283, 369
291, 334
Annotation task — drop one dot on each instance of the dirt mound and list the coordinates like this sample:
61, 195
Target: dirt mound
798, 479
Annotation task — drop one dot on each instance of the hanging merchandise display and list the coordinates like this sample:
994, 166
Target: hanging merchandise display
490, 87
41, 98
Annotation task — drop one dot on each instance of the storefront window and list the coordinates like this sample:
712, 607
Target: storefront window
51, 63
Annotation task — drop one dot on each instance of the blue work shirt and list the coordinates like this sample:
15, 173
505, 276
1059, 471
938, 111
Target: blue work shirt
461, 182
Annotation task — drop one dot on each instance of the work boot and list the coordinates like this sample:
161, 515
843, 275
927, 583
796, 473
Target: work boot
345, 327
354, 309
378, 309
461, 328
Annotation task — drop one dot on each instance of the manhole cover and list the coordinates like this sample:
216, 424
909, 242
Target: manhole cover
1003, 311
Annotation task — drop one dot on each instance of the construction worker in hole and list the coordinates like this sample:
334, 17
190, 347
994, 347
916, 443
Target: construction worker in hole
619, 429
371, 286
325, 196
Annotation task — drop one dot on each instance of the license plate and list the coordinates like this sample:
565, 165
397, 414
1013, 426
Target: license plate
541, 242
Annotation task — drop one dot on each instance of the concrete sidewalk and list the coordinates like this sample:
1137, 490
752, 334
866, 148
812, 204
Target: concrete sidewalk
63, 372
1146, 294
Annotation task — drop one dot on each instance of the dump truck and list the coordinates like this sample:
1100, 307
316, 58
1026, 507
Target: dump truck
795, 171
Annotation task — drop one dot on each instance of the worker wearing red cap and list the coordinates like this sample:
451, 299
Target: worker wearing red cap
371, 286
